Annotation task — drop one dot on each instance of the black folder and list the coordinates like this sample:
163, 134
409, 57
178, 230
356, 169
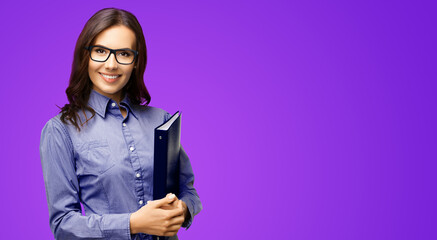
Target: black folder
166, 157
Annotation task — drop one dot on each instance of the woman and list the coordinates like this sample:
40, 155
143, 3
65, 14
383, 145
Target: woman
98, 151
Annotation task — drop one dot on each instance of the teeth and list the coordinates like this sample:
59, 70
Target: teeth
111, 77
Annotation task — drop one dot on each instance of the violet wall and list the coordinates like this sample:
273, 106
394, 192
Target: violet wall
302, 119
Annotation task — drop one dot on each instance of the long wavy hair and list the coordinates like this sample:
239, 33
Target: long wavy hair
79, 88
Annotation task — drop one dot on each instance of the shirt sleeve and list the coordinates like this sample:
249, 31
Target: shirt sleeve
188, 193
62, 190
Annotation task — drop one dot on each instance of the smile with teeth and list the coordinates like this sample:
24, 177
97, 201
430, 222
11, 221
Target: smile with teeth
109, 76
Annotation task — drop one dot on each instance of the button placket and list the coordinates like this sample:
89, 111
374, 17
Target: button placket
136, 166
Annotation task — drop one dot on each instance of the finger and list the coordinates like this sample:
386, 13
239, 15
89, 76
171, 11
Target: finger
176, 203
169, 206
178, 220
166, 200
172, 197
175, 212
174, 228
170, 234
175, 198
173, 205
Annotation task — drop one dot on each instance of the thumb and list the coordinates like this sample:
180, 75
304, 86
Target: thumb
161, 202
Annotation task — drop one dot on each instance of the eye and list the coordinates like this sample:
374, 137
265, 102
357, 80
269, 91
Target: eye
99, 50
125, 54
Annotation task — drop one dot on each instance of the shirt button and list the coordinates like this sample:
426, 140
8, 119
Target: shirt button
141, 202
138, 175
124, 124
131, 149
113, 104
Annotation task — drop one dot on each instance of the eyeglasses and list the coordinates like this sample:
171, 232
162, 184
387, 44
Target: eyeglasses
123, 56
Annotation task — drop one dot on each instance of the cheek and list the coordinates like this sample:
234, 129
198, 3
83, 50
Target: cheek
128, 73
92, 66
92, 71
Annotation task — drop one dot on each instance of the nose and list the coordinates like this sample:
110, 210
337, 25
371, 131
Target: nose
111, 63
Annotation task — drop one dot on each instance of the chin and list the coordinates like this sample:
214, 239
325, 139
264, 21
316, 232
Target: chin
107, 90
111, 91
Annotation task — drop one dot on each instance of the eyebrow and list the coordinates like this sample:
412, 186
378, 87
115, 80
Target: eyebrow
100, 45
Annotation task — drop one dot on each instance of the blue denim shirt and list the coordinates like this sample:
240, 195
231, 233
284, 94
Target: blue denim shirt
108, 167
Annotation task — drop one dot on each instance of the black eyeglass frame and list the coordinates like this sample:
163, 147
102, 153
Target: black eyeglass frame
114, 51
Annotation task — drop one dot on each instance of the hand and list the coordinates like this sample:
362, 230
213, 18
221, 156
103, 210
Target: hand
154, 220
174, 205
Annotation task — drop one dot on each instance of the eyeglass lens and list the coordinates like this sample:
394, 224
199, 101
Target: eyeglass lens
123, 56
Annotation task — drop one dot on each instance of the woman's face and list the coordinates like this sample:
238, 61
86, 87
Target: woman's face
110, 77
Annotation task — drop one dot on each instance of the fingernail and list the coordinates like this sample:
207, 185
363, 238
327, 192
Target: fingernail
171, 196
148, 202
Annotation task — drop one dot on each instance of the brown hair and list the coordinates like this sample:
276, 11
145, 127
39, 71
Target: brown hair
79, 88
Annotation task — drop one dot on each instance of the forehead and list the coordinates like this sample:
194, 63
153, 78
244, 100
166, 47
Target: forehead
116, 37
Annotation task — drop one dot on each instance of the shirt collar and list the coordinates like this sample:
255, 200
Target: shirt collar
99, 103
129, 105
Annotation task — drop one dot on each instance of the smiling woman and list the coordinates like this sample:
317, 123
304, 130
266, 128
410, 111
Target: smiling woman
109, 28
99, 150
109, 77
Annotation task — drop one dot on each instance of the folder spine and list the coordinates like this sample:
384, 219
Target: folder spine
160, 168
166, 171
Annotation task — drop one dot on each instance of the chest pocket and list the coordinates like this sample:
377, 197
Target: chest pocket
94, 157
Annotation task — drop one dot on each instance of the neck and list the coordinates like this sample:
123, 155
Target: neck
118, 96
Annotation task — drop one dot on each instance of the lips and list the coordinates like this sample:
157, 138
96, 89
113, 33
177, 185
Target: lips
110, 78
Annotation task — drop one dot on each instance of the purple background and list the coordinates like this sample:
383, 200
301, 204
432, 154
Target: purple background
302, 120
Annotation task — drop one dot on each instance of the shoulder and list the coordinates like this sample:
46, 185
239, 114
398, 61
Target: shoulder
55, 129
151, 112
54, 124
